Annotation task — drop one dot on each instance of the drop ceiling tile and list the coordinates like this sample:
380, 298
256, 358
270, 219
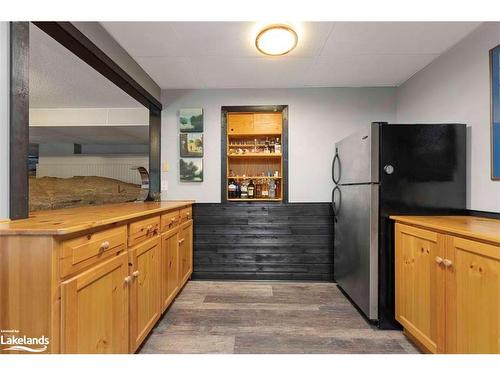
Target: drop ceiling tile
252, 72
395, 37
171, 72
146, 38
368, 70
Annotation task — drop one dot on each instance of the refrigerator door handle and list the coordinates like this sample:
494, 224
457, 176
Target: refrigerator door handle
336, 160
336, 205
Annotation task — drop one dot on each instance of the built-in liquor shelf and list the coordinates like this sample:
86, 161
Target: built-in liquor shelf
254, 157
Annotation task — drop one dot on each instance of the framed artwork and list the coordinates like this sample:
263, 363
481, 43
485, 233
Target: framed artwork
191, 145
191, 120
495, 112
191, 170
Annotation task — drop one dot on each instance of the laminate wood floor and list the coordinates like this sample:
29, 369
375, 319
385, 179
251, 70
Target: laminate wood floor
267, 317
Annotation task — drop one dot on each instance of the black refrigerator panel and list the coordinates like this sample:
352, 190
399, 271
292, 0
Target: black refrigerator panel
422, 168
422, 172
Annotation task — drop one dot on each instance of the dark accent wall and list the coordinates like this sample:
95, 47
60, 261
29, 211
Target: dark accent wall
263, 241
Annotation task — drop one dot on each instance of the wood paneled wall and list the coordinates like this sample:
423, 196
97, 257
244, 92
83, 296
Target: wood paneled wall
263, 241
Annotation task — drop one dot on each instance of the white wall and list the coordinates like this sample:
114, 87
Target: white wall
318, 117
4, 119
456, 88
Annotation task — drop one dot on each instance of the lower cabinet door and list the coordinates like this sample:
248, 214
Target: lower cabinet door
472, 297
186, 251
420, 285
169, 267
144, 290
95, 309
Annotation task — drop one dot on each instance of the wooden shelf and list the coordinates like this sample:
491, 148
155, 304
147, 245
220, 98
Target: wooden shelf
253, 178
259, 155
253, 199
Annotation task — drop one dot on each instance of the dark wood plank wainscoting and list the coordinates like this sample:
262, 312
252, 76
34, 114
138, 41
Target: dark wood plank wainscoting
263, 241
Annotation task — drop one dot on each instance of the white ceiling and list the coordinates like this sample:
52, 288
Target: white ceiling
193, 55
59, 79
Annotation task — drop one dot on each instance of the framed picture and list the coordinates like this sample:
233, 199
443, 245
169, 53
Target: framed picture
495, 112
191, 145
191, 170
191, 120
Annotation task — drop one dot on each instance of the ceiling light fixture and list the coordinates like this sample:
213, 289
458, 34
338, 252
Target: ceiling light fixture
276, 40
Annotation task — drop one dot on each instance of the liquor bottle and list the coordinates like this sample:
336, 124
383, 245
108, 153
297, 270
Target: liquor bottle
277, 146
272, 189
266, 147
251, 190
271, 146
265, 189
258, 189
238, 190
244, 190
231, 189
277, 189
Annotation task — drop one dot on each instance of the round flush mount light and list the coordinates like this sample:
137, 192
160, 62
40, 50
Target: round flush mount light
276, 40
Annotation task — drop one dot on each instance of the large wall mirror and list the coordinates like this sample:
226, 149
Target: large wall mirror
87, 137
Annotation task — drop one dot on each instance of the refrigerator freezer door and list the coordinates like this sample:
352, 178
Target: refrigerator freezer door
358, 157
356, 245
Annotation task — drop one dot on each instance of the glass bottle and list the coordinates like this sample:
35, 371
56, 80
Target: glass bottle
251, 190
265, 189
244, 190
231, 189
272, 189
271, 146
277, 146
277, 189
258, 189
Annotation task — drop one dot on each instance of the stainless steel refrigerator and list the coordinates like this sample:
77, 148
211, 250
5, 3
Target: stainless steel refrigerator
382, 170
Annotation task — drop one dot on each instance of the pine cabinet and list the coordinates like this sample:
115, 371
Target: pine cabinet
169, 267
448, 283
144, 290
420, 285
94, 309
186, 251
473, 299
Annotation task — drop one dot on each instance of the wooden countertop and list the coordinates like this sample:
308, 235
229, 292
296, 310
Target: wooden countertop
71, 220
474, 227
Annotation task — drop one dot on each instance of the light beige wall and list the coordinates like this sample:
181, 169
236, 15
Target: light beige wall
456, 88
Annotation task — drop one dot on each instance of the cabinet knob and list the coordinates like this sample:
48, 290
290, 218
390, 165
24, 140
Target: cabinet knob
447, 263
439, 260
173, 219
128, 279
181, 241
135, 273
104, 246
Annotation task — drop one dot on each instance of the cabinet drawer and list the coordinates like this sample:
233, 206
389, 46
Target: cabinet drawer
81, 252
142, 230
186, 214
170, 220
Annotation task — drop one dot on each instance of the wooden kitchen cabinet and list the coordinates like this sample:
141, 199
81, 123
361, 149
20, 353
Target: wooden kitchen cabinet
473, 297
420, 286
94, 309
169, 267
144, 290
186, 251
448, 282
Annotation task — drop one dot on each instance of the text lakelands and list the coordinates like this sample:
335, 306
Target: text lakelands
23, 340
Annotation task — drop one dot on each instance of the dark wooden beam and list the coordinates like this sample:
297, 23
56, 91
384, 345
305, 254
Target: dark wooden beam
19, 119
154, 152
74, 40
